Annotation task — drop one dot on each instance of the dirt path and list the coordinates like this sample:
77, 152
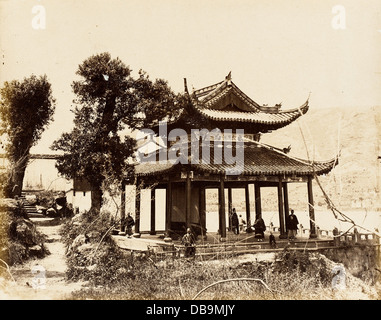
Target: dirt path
32, 284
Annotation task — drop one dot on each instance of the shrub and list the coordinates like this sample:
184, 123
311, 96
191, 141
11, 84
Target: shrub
18, 235
91, 253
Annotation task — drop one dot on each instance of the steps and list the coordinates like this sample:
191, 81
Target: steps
45, 222
31, 211
33, 214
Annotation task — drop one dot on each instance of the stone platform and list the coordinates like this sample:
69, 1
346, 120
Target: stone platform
212, 245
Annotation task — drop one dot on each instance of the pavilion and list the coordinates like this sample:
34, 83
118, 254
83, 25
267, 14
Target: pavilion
224, 106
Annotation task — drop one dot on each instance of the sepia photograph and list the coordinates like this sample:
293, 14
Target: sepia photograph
190, 151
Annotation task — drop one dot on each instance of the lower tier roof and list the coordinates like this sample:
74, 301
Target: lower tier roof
257, 160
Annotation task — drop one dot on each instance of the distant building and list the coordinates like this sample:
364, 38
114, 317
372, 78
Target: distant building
42, 174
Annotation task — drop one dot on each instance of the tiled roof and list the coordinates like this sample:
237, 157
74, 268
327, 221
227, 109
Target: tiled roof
220, 91
151, 168
258, 160
211, 101
257, 117
226, 104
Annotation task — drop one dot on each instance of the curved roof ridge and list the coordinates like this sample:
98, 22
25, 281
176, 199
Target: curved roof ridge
207, 90
303, 108
304, 161
246, 97
258, 117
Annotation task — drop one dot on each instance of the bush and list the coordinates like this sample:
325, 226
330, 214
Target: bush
19, 238
91, 253
46, 198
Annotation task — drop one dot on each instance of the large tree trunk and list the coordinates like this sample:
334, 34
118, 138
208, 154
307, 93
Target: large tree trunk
96, 198
15, 180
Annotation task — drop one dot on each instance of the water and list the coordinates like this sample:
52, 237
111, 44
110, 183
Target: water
324, 219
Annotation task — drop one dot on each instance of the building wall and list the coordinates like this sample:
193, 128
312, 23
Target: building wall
80, 200
145, 207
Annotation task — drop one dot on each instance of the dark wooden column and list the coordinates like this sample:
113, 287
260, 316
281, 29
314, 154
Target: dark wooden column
168, 212
202, 207
188, 196
230, 207
247, 200
286, 205
153, 213
138, 196
258, 204
283, 234
311, 208
221, 213
122, 207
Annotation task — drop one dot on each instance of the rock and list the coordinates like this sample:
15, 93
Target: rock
8, 203
51, 212
25, 232
78, 241
31, 199
77, 218
37, 251
94, 235
17, 253
41, 209
92, 267
85, 248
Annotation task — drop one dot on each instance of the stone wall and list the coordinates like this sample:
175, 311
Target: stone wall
362, 261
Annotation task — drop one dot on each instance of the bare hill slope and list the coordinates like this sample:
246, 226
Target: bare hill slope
356, 133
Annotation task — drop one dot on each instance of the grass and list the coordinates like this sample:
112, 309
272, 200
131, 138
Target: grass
183, 280
115, 274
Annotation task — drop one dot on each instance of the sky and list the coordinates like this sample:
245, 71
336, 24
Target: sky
278, 51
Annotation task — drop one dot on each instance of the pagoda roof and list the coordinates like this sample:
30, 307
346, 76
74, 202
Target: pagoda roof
270, 118
224, 101
259, 160
223, 105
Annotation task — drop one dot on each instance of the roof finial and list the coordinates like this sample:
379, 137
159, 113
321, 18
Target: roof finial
309, 95
185, 86
229, 76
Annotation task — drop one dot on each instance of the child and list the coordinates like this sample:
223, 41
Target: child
272, 241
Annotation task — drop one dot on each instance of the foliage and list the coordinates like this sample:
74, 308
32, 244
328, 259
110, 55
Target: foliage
108, 100
97, 258
26, 108
46, 198
18, 235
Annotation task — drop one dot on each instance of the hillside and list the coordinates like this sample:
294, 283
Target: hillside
356, 132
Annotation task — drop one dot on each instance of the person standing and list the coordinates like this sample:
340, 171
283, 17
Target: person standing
292, 225
130, 222
235, 221
189, 242
259, 228
242, 223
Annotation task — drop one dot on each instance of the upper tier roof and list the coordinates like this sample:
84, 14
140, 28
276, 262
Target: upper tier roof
224, 101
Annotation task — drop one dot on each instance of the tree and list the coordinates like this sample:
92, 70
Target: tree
26, 109
108, 99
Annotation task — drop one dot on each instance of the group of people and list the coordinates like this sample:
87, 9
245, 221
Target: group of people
259, 226
189, 242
